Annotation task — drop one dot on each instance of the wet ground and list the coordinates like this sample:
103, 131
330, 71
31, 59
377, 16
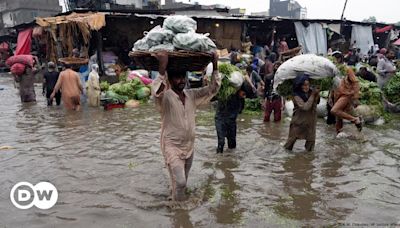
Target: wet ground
109, 171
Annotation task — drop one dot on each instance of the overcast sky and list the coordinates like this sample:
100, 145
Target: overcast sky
384, 10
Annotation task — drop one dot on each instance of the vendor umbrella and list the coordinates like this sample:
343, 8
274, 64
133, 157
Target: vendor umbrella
316, 66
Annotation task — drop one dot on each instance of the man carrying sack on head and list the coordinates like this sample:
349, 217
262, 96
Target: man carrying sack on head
177, 106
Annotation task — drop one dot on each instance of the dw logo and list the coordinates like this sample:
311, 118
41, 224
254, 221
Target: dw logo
43, 195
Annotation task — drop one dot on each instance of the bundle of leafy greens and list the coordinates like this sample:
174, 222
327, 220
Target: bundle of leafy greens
252, 106
123, 76
104, 86
226, 89
370, 92
286, 88
371, 95
392, 89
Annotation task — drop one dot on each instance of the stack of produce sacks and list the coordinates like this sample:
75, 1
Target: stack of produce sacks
177, 33
18, 63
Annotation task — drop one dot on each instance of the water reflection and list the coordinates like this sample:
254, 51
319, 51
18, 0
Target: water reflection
109, 169
227, 211
301, 197
181, 219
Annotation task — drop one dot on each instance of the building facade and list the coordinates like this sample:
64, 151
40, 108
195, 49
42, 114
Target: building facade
112, 4
288, 9
15, 12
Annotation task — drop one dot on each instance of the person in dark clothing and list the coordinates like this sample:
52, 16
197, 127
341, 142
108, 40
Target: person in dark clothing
49, 82
373, 60
273, 102
365, 74
268, 67
225, 120
353, 58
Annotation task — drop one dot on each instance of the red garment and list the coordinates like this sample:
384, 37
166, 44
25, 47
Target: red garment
24, 42
276, 106
384, 29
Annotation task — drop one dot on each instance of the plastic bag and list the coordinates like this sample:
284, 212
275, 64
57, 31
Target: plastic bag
132, 104
289, 106
236, 79
141, 45
322, 110
369, 113
164, 47
143, 78
192, 41
180, 24
157, 38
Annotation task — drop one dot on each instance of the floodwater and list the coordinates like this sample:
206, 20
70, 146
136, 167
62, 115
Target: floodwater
109, 171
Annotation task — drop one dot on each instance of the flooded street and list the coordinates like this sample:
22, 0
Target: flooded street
109, 171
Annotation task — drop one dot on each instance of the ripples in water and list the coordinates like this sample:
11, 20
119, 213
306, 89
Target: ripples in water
109, 171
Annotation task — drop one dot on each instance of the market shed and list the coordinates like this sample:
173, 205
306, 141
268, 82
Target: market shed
65, 32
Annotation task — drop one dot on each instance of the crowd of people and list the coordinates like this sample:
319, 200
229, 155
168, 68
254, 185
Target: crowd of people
177, 103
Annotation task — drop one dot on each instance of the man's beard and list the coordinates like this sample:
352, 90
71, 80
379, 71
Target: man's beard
180, 86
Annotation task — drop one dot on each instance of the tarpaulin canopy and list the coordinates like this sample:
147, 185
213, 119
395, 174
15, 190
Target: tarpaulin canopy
68, 29
312, 38
24, 42
384, 29
94, 21
363, 37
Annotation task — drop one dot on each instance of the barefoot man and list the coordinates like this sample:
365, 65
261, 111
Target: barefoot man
177, 106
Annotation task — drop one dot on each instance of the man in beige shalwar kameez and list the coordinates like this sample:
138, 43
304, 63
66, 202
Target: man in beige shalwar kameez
70, 85
177, 106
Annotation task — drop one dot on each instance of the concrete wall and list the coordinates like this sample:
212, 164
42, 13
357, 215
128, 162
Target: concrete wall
286, 9
10, 5
15, 12
137, 3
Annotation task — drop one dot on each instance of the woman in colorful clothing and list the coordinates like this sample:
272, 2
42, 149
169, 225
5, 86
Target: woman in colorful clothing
346, 96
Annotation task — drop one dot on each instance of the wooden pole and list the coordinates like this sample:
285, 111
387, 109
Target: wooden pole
344, 8
99, 47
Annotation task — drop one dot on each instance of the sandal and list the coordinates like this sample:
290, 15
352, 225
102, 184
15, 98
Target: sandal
360, 124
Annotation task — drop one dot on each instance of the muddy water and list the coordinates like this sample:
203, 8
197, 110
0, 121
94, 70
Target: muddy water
109, 171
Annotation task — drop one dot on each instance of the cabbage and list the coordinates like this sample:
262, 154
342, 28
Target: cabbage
143, 92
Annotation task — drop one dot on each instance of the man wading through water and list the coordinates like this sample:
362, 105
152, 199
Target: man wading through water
177, 106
